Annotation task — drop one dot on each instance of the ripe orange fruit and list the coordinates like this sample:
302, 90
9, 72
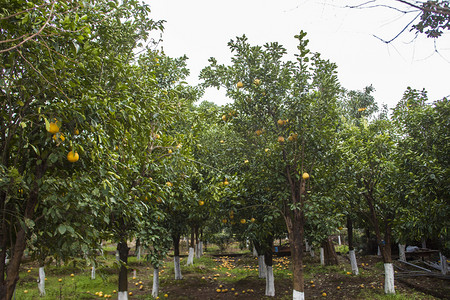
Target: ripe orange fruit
201, 202
224, 221
305, 176
280, 122
258, 132
257, 81
243, 221
53, 128
73, 156
280, 139
240, 85
169, 184
252, 220
224, 117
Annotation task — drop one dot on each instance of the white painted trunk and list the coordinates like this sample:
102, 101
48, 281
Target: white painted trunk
93, 271
307, 246
261, 267
424, 243
138, 254
200, 246
190, 259
41, 281
134, 273
444, 265
311, 251
270, 282
401, 252
379, 251
322, 257
339, 240
117, 256
197, 251
122, 295
389, 278
155, 288
255, 253
296, 295
353, 262
177, 268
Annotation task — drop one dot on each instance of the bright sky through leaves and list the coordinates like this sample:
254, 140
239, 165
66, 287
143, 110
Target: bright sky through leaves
201, 29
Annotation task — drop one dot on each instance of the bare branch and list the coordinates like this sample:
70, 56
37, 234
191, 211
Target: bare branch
398, 34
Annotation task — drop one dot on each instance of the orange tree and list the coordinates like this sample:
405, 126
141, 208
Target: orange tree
292, 107
423, 166
61, 69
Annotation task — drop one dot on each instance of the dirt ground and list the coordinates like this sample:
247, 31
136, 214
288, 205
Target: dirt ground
336, 285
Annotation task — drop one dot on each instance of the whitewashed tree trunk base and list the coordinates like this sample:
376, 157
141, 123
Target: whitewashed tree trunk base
322, 257
401, 252
93, 272
444, 264
255, 253
190, 259
311, 252
270, 282
138, 254
41, 281
339, 240
117, 256
389, 278
379, 251
353, 262
200, 247
296, 295
155, 288
176, 265
261, 267
122, 295
307, 246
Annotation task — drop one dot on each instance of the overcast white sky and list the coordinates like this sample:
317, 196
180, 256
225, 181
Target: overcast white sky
202, 28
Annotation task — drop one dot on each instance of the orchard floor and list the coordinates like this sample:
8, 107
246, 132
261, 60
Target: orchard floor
235, 277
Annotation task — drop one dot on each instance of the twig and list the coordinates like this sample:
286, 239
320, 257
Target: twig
33, 35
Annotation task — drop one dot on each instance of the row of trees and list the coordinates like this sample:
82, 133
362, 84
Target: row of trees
312, 151
101, 139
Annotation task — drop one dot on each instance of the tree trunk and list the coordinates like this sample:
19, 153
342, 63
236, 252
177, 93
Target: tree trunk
197, 243
138, 249
190, 259
294, 224
93, 271
353, 262
330, 255
385, 246
268, 260
401, 252
176, 256
389, 278
322, 256
261, 264
12, 270
444, 265
350, 232
123, 251
41, 281
155, 288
